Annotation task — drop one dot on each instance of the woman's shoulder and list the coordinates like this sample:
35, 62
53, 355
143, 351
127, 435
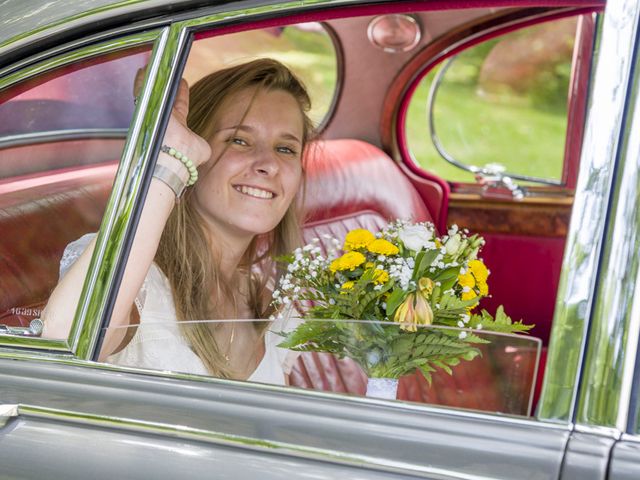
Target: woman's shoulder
73, 250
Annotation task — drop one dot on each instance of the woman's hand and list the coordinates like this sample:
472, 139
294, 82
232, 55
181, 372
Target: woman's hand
178, 135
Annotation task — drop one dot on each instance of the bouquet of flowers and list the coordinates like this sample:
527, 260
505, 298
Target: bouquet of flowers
388, 285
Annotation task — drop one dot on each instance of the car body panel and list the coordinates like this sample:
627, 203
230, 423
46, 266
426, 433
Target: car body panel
625, 457
587, 455
409, 438
164, 424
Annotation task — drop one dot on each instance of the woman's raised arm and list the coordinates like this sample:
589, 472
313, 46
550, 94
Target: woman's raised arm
60, 309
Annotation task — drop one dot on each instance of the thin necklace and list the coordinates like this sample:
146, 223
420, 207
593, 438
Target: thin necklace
231, 338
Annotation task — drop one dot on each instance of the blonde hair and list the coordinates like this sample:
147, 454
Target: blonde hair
186, 256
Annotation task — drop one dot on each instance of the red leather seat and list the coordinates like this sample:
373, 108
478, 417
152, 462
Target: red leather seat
39, 216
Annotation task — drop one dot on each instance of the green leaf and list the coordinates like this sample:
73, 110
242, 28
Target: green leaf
424, 259
502, 322
310, 331
446, 275
473, 338
394, 300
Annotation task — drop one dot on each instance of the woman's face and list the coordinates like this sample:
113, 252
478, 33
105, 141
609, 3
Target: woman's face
248, 189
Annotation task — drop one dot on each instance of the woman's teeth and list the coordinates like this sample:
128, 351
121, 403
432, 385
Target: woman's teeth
254, 192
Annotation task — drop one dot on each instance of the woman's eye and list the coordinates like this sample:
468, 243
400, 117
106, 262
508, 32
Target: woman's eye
286, 150
238, 141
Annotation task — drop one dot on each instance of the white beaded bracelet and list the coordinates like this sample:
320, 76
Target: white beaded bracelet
186, 161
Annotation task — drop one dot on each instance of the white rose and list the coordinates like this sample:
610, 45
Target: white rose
415, 237
453, 244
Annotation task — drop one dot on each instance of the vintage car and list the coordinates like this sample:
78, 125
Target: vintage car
515, 119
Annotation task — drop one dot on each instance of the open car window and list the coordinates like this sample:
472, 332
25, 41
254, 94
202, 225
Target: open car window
306, 48
498, 107
348, 183
235, 192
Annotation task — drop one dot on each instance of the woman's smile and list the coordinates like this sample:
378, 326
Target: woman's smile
255, 192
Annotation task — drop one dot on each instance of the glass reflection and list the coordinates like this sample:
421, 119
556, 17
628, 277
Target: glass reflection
499, 377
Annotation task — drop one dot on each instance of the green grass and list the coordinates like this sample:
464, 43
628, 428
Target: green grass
311, 56
476, 131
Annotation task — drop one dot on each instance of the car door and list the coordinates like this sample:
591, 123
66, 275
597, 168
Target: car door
510, 103
148, 422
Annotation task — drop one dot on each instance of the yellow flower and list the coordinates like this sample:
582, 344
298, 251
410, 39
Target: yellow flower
466, 280
381, 246
380, 276
358, 238
346, 286
438, 243
468, 295
348, 261
425, 285
483, 288
415, 310
479, 270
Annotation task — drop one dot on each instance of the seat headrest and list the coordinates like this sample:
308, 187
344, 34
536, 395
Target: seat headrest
350, 177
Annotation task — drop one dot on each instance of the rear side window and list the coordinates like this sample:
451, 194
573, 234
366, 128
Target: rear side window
61, 138
500, 105
306, 48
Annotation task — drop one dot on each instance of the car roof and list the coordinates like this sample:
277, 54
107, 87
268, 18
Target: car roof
24, 22
22, 18
39, 23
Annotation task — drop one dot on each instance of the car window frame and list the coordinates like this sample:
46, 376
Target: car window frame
42, 67
125, 205
425, 62
190, 28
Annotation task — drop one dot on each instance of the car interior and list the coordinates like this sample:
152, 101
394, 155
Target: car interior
359, 174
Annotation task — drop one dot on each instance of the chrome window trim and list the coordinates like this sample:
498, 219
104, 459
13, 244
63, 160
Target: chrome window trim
35, 138
627, 437
45, 344
599, 431
608, 376
581, 262
119, 219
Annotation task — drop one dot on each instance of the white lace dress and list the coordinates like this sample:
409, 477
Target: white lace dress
158, 342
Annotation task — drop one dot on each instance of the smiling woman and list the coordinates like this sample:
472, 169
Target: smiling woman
199, 258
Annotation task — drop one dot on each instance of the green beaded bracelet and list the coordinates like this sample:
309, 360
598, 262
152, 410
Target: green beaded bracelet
186, 161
